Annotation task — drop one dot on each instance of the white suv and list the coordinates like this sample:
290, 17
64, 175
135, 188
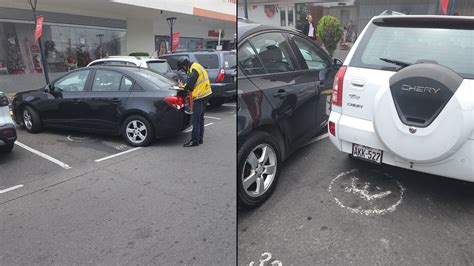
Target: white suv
7, 126
405, 95
158, 65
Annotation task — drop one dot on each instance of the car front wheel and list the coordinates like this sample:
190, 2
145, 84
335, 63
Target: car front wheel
31, 120
258, 169
137, 131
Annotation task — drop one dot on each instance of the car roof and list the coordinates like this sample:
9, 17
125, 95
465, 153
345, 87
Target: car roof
130, 59
455, 20
246, 28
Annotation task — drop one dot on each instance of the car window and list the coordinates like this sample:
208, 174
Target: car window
173, 60
274, 52
313, 57
126, 84
75, 81
160, 67
249, 61
208, 61
452, 48
106, 80
160, 81
230, 61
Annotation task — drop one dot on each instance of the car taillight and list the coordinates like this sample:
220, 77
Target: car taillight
338, 85
332, 128
3, 101
8, 133
175, 101
220, 76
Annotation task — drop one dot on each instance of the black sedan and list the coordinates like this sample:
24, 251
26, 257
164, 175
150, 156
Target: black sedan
136, 103
284, 86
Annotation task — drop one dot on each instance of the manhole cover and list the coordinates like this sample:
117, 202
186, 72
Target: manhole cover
368, 192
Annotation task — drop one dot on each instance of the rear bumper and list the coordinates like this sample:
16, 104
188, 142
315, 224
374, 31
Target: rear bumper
170, 123
223, 90
7, 134
351, 130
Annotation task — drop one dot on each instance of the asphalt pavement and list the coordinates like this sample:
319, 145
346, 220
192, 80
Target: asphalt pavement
75, 198
329, 209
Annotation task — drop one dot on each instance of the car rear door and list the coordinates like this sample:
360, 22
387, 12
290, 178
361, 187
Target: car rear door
319, 69
106, 100
290, 90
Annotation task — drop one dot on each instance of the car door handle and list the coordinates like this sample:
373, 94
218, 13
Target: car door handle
280, 94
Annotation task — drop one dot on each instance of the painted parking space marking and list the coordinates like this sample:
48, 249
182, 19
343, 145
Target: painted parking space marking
191, 128
43, 155
10, 189
212, 117
116, 155
368, 192
266, 257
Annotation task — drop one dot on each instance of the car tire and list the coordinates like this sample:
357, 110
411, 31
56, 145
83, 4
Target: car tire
7, 148
246, 197
137, 131
31, 120
216, 102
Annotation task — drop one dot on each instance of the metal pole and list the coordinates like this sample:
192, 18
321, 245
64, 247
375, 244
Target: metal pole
171, 37
246, 12
43, 58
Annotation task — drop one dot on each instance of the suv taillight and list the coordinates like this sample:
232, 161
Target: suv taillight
175, 101
338, 85
220, 76
3, 101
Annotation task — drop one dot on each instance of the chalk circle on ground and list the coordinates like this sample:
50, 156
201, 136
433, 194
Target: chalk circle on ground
80, 138
368, 192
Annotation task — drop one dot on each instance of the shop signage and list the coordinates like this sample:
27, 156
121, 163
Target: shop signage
213, 33
39, 28
175, 44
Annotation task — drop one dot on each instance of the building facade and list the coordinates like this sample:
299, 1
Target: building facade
77, 32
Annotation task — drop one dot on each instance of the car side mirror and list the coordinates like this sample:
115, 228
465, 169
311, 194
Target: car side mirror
48, 88
337, 63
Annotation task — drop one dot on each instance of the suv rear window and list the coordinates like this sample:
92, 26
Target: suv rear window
158, 66
452, 48
173, 60
208, 61
230, 61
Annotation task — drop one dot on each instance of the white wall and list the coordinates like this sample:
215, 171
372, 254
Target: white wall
140, 36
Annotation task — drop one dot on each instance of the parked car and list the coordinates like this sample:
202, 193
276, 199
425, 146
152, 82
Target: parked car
221, 68
158, 65
404, 96
7, 126
285, 83
136, 103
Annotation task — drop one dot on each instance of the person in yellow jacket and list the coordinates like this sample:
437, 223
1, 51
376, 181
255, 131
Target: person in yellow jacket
200, 86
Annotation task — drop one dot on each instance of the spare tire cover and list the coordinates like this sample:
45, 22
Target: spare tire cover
424, 113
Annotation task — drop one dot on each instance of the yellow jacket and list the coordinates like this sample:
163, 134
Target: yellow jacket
202, 88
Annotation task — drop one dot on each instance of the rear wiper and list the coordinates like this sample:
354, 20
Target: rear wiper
396, 62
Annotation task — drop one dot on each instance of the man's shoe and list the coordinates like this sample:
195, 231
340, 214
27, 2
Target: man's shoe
201, 142
190, 144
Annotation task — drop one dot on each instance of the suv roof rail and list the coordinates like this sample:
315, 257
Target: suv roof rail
391, 13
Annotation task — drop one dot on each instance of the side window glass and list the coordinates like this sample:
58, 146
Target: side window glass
249, 61
105, 80
126, 84
274, 52
73, 82
314, 58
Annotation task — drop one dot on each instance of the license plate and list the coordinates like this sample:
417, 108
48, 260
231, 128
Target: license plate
367, 153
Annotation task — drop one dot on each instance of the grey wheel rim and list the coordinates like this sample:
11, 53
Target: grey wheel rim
136, 131
27, 119
259, 170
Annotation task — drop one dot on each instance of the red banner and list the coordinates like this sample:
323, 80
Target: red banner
444, 6
39, 28
175, 44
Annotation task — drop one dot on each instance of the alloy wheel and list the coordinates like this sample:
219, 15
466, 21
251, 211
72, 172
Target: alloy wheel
259, 171
27, 119
136, 131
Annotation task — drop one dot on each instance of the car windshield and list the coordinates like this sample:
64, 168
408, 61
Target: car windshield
157, 79
230, 61
158, 66
452, 48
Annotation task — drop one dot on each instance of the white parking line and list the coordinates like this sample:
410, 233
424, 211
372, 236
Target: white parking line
318, 138
117, 154
191, 128
212, 117
10, 189
43, 155
229, 105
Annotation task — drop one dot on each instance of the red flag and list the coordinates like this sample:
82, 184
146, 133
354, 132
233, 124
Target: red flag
444, 6
175, 44
39, 28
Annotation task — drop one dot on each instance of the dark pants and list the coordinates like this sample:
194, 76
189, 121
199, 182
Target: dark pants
199, 108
